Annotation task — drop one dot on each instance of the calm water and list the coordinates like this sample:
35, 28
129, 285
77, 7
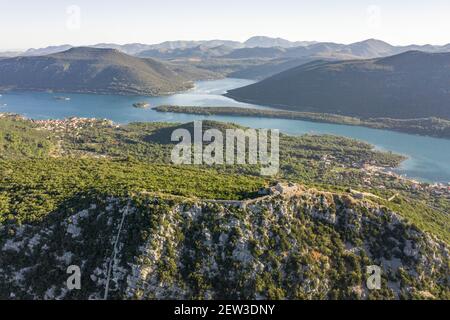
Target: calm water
429, 158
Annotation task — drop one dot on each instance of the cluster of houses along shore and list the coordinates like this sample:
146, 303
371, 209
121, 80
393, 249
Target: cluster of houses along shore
72, 123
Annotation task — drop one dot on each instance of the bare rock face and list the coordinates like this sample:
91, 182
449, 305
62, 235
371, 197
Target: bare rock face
293, 244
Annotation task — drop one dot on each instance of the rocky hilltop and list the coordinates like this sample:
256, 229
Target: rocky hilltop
292, 243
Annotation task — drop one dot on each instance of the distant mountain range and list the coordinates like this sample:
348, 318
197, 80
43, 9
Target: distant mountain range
266, 42
135, 48
46, 50
367, 49
257, 52
263, 61
97, 71
409, 85
370, 48
257, 58
198, 52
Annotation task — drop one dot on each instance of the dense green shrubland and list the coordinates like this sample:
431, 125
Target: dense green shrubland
41, 169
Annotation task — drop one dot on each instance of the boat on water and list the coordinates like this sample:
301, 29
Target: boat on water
62, 98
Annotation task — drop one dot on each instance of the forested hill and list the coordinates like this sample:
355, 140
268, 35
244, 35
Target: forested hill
293, 244
105, 197
92, 70
409, 85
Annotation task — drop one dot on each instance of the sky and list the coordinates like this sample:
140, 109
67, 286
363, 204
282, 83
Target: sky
32, 24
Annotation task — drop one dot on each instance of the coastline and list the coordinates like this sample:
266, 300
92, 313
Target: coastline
429, 127
79, 122
129, 93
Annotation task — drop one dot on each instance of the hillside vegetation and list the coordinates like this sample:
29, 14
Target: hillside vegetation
105, 197
409, 85
434, 127
302, 244
95, 71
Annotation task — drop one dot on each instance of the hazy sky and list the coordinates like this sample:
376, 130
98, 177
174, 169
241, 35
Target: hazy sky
31, 23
